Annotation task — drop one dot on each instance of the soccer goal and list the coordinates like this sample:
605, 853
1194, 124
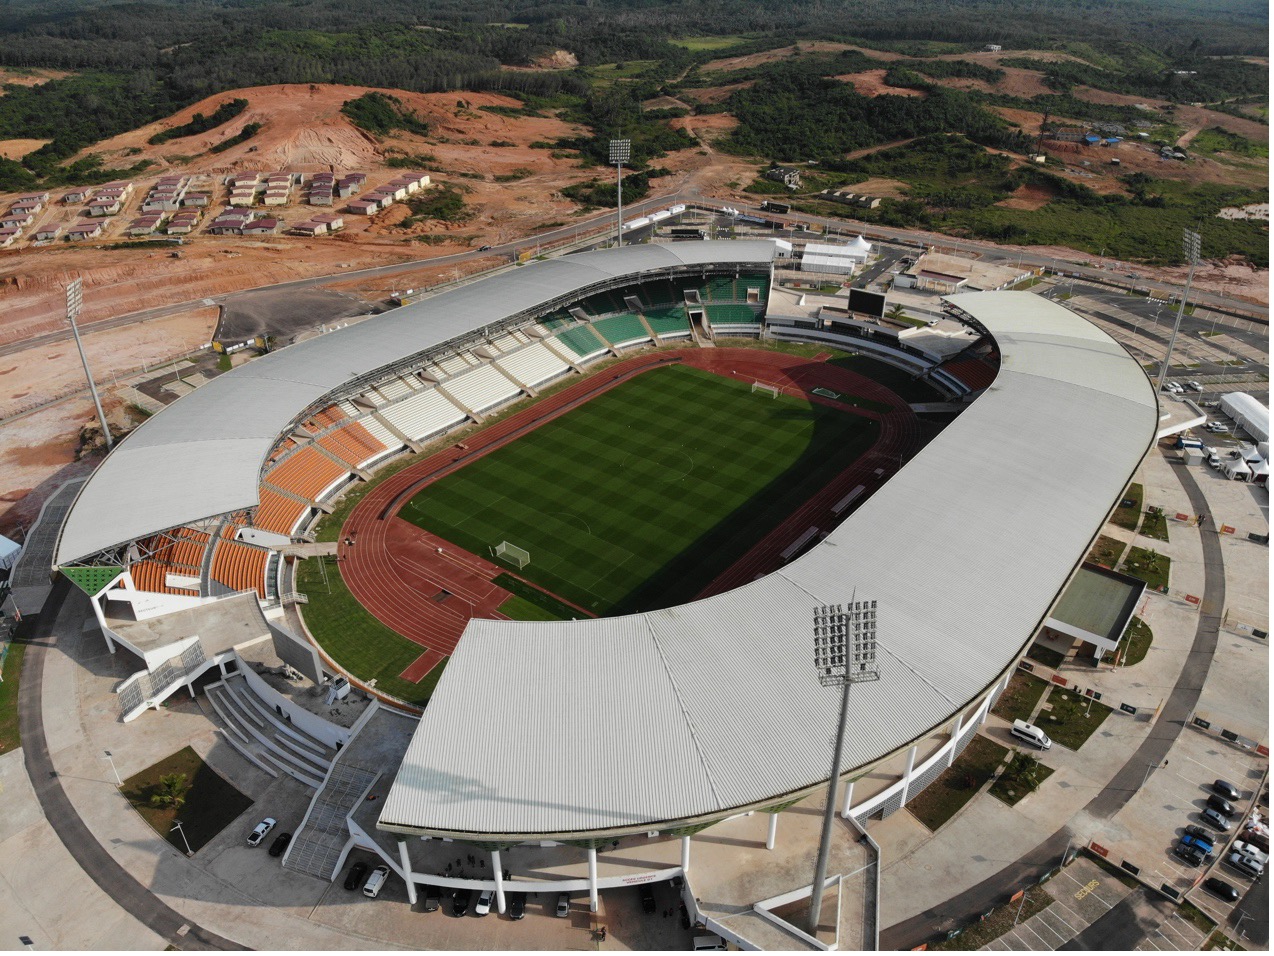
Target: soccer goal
771, 390
511, 554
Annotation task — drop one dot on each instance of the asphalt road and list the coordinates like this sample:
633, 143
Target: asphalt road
1030, 868
113, 879
1252, 916
1124, 925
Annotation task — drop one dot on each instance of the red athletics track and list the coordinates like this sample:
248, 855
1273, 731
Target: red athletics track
398, 571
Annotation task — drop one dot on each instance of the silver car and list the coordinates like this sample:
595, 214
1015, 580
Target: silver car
264, 827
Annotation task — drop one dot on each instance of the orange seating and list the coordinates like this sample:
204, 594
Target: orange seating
972, 371
240, 567
306, 473
353, 444
277, 512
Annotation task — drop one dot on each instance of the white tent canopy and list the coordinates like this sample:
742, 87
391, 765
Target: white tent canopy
9, 551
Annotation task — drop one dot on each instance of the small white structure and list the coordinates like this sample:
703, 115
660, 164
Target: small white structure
1251, 415
9, 551
834, 258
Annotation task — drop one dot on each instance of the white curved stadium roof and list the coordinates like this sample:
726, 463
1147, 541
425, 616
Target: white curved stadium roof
692, 711
202, 456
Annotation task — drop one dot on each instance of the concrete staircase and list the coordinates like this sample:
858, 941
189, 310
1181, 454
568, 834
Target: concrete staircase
322, 840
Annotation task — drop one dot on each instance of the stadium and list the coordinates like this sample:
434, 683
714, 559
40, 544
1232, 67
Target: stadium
627, 708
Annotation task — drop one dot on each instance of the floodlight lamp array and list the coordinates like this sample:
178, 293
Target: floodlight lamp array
620, 151
842, 632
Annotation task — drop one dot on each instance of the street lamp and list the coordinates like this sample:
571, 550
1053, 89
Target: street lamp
844, 654
74, 303
620, 150
177, 826
111, 760
1190, 245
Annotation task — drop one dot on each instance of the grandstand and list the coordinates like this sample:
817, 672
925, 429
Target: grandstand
533, 365
306, 473
482, 388
622, 331
668, 323
582, 341
424, 415
239, 567
733, 319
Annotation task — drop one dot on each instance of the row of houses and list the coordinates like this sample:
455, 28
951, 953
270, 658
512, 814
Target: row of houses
323, 224
324, 187
240, 222
382, 197
20, 215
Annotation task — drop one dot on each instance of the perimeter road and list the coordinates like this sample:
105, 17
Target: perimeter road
91, 856
1030, 868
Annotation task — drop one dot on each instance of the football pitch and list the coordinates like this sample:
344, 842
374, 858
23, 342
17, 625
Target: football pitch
639, 498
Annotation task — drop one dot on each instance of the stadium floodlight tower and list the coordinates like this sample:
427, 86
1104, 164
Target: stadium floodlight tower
620, 151
844, 654
1190, 245
74, 303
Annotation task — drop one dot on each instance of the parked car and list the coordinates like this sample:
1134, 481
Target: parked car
1220, 806
1226, 790
1194, 386
432, 898
264, 827
483, 248
563, 905
354, 878
483, 906
1248, 866
1189, 853
1192, 830
1255, 839
1214, 461
1204, 844
1215, 820
648, 898
517, 905
280, 844
1221, 889
460, 903
376, 882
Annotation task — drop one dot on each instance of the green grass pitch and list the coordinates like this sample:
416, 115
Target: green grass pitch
639, 498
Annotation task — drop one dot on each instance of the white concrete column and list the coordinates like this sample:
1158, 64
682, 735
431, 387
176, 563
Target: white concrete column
906, 779
499, 880
410, 877
774, 829
849, 798
685, 854
221, 666
955, 735
592, 879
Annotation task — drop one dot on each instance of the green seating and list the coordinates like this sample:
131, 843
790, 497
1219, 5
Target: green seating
581, 340
732, 314
621, 328
666, 321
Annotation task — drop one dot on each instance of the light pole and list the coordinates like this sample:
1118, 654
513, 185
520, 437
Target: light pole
844, 654
111, 760
74, 303
1149, 767
1190, 244
177, 826
620, 150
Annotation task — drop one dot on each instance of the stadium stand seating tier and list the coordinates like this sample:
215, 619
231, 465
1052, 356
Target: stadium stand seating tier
668, 321
621, 329
424, 415
240, 567
582, 340
306, 473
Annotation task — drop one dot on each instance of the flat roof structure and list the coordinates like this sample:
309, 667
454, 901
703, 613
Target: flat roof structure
1097, 605
689, 714
223, 430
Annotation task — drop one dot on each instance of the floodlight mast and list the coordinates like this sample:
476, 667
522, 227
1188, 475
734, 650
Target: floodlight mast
75, 302
1190, 245
620, 150
844, 654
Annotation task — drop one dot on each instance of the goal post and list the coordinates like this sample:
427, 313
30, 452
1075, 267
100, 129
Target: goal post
511, 554
771, 390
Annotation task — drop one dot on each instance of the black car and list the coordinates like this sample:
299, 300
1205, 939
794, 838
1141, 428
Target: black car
460, 903
433, 898
647, 898
1221, 806
354, 878
1226, 790
1190, 854
1197, 831
1221, 889
280, 844
517, 905
483, 248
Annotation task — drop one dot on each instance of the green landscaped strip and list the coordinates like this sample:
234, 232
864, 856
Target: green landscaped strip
357, 641
1139, 639
640, 497
520, 609
1150, 566
958, 784
1127, 516
1010, 791
211, 804
1107, 551
1001, 920
1071, 718
10, 739
1154, 525
1020, 697
547, 604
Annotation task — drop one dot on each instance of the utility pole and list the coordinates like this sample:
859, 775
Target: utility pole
844, 654
1190, 244
75, 302
180, 830
620, 151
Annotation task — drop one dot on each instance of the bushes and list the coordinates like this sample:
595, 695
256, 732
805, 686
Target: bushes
381, 113
200, 123
244, 135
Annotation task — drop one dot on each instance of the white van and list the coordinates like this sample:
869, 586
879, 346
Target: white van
376, 882
1031, 734
708, 942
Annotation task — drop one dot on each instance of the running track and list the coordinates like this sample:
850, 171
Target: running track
427, 590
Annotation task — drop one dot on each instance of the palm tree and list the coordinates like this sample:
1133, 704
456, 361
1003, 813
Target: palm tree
171, 791
896, 313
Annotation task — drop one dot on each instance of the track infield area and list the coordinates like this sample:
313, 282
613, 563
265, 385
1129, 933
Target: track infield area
642, 496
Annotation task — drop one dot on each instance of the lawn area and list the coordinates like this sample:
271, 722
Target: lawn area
1072, 718
1136, 643
355, 639
211, 803
640, 497
532, 601
9, 737
1046, 656
1107, 551
699, 44
1009, 791
1020, 697
1155, 525
1000, 921
1151, 566
520, 609
958, 784
1128, 514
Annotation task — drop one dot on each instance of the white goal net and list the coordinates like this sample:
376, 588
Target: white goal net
771, 390
511, 554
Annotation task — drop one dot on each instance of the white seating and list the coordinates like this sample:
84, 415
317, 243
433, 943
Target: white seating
505, 343
424, 414
453, 364
533, 365
394, 389
381, 433
482, 388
